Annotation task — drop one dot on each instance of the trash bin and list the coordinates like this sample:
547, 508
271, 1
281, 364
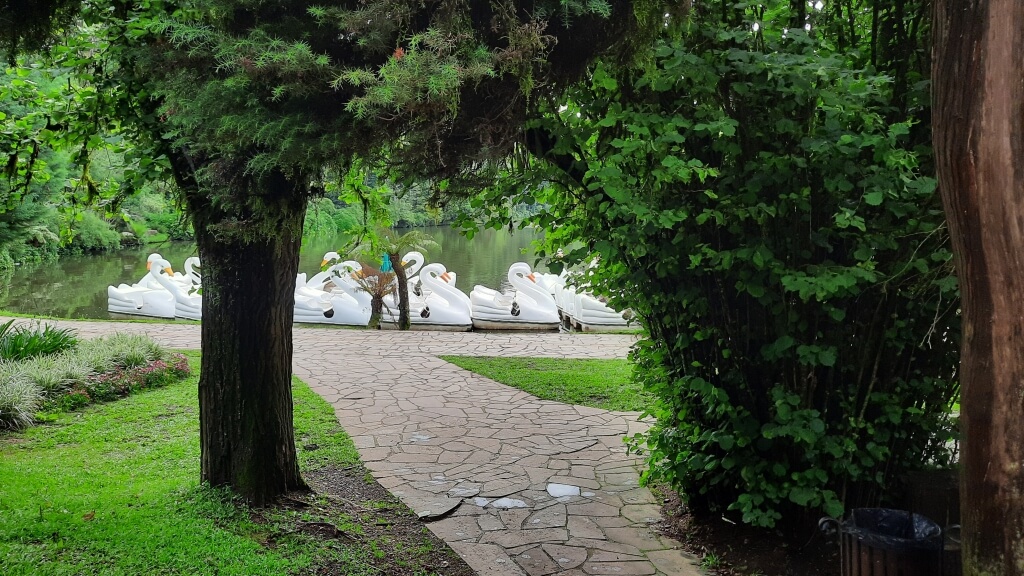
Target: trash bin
887, 542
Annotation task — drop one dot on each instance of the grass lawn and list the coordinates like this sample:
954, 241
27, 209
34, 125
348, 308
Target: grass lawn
597, 383
114, 489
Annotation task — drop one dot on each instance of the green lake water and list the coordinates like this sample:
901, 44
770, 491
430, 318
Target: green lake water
76, 286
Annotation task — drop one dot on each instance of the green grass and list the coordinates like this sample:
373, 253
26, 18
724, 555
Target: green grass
114, 489
596, 383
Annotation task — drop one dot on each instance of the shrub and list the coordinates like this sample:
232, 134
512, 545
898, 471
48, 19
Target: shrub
6, 261
125, 380
19, 397
771, 220
23, 342
94, 234
105, 369
57, 374
119, 350
173, 224
320, 219
98, 370
348, 218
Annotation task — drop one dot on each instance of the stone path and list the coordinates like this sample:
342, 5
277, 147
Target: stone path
515, 485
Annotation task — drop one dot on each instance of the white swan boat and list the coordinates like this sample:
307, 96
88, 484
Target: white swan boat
341, 277
192, 276
316, 306
441, 307
412, 262
140, 300
592, 315
550, 282
530, 307
188, 303
147, 280
584, 312
332, 296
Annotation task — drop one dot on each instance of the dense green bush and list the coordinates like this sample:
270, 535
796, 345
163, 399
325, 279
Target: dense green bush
324, 218
173, 224
759, 200
6, 261
348, 218
24, 341
93, 234
320, 220
29, 233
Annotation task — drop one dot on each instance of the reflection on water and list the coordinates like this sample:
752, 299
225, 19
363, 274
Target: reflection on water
76, 286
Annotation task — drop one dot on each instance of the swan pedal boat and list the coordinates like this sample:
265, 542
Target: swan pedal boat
331, 296
139, 300
313, 306
187, 304
441, 306
531, 307
583, 312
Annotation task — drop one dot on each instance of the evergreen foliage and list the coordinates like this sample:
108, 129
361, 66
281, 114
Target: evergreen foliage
235, 99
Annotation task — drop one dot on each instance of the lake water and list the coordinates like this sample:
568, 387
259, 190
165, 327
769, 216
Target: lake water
76, 286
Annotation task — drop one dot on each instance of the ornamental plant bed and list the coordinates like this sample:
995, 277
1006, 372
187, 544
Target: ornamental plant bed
45, 379
120, 382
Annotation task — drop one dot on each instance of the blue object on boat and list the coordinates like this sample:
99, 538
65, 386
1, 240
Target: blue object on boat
385, 264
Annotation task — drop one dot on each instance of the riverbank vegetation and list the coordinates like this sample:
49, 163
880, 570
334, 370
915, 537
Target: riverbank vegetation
96, 198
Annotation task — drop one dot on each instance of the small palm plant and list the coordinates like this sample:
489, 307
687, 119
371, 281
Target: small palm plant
378, 285
391, 244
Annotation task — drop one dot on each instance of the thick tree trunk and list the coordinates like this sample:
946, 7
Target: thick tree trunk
245, 398
978, 124
402, 279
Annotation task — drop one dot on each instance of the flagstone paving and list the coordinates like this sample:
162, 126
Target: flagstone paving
514, 484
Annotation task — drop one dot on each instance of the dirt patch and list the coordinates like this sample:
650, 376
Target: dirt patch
347, 506
730, 549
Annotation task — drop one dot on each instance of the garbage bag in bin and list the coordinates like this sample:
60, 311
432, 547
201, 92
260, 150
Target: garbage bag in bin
887, 542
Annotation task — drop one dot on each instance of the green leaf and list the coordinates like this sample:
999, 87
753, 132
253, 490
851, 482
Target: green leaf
802, 496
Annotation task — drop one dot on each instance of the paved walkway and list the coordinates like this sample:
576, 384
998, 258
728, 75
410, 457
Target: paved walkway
515, 485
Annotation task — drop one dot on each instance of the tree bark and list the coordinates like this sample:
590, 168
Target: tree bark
376, 310
402, 280
978, 132
245, 394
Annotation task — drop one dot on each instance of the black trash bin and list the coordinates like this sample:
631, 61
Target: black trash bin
887, 542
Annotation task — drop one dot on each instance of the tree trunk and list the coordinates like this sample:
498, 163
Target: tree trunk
376, 309
404, 322
245, 395
978, 131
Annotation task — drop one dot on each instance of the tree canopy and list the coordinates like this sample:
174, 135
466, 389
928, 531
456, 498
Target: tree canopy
248, 104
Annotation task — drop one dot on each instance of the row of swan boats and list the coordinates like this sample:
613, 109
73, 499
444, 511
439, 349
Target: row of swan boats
535, 301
